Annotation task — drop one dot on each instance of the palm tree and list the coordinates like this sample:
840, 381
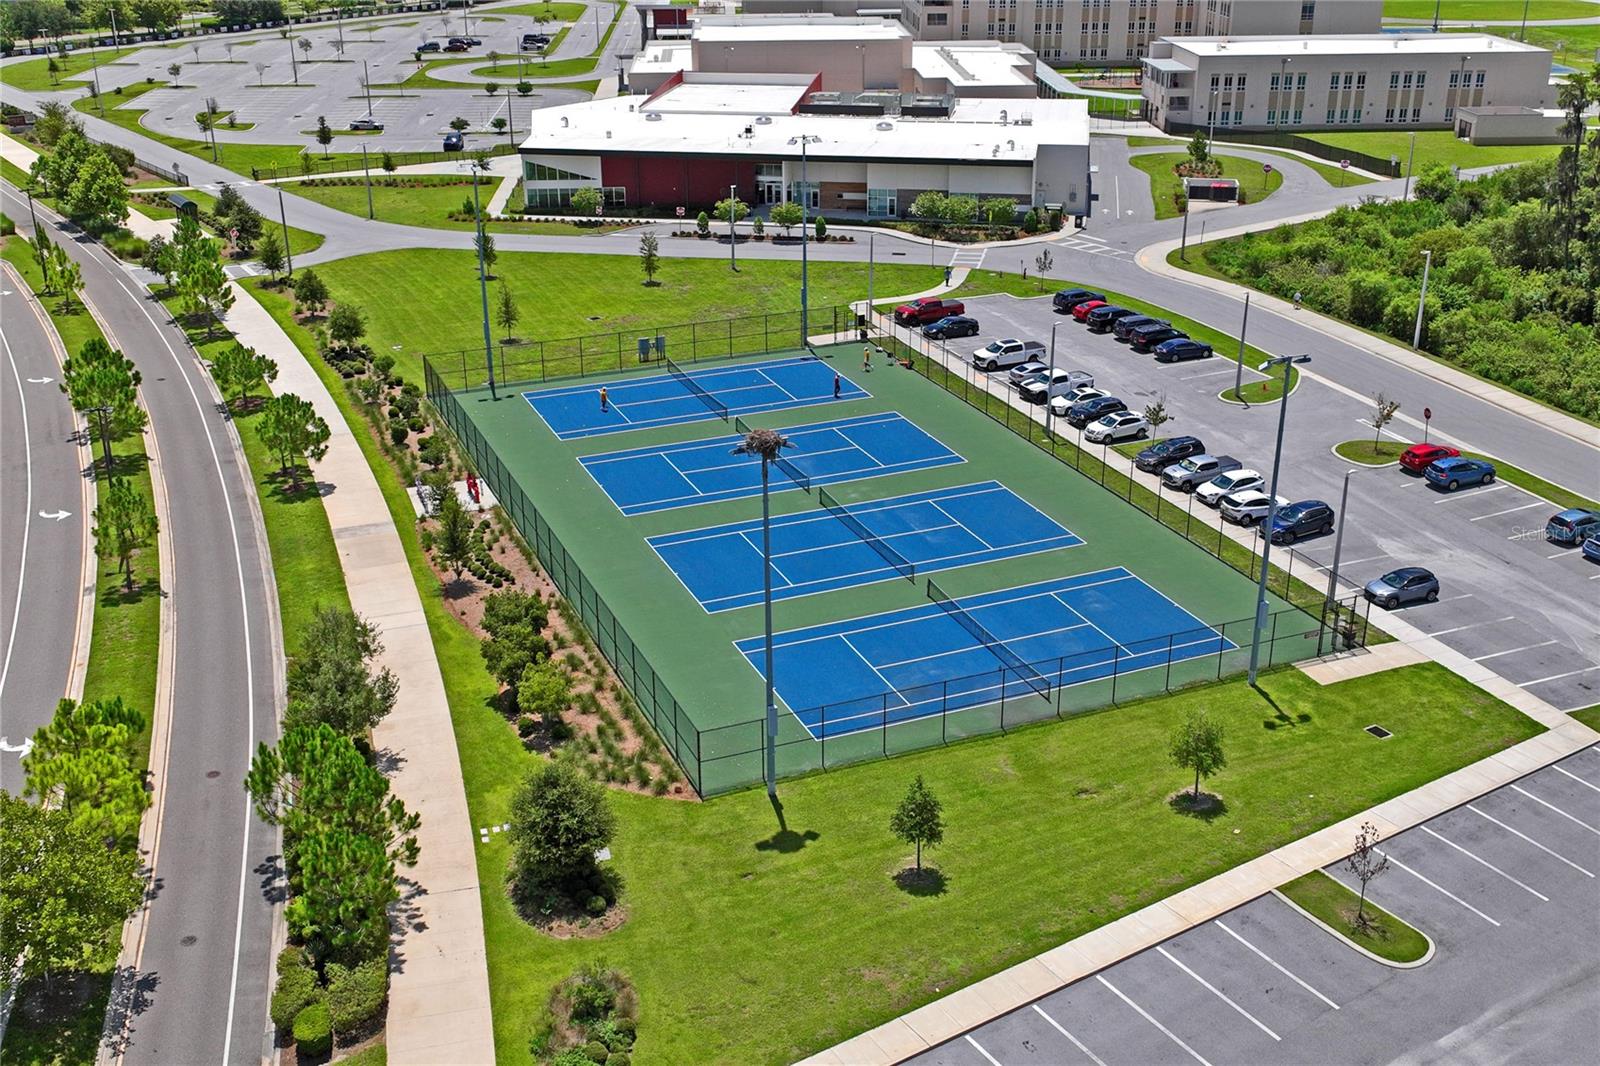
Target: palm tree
768, 444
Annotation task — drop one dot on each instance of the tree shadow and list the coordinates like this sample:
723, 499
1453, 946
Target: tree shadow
1207, 807
294, 486
928, 881
1280, 717
274, 879
785, 841
118, 594
387, 761
131, 995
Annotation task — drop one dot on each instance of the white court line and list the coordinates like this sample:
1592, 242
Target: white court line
1481, 490
1275, 964
1509, 510
943, 654
1512, 651
1218, 993
1517, 832
1473, 625
1484, 862
970, 531
744, 535
1576, 778
1439, 887
979, 1047
775, 385
892, 688
1062, 1030
1556, 677
1143, 1014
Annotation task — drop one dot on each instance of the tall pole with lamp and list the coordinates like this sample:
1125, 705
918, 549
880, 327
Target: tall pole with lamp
767, 444
1338, 545
1427, 264
283, 218
1285, 361
483, 281
803, 140
733, 228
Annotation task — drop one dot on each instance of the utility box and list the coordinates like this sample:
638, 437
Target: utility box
1216, 190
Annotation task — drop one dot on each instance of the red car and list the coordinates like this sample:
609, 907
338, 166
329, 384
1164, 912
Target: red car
1081, 312
1417, 457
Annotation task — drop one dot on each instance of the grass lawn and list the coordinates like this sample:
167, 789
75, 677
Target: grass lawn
538, 68
1574, 46
507, 70
554, 12
1384, 935
1589, 716
1164, 184
1510, 10
1435, 146
557, 294
427, 200
1364, 451
300, 240
1328, 172
33, 75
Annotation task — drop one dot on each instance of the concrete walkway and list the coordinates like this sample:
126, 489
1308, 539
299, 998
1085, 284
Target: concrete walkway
439, 991
1025, 982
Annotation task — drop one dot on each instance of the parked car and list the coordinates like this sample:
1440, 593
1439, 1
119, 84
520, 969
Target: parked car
951, 326
368, 123
428, 46
1101, 319
1248, 507
1416, 458
1051, 383
1124, 425
533, 41
1181, 350
1081, 414
458, 46
1591, 548
1212, 492
1026, 371
1450, 474
1065, 300
1059, 405
1007, 352
1301, 519
1146, 337
1081, 311
1409, 584
1189, 474
1163, 454
1123, 328
927, 309
454, 142
1572, 526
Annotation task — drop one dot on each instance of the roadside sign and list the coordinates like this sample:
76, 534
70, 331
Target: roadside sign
680, 212
1345, 163
1266, 168
1427, 416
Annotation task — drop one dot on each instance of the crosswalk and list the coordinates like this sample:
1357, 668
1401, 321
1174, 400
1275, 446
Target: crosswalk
970, 258
1090, 245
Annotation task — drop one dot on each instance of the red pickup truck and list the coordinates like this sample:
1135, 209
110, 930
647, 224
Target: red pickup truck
926, 310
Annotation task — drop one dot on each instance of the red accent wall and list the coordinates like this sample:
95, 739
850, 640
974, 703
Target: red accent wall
668, 181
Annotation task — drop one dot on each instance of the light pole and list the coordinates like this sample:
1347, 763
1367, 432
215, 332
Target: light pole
733, 228
767, 443
1523, 34
1461, 89
1338, 544
1411, 157
805, 202
483, 281
367, 172
294, 64
862, 49
366, 83
1238, 370
284, 219
1285, 361
1211, 119
1416, 334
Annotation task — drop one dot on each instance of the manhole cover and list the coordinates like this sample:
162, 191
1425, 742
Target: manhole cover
1379, 732
189, 941
213, 774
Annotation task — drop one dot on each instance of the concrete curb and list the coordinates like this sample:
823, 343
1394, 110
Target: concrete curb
1427, 956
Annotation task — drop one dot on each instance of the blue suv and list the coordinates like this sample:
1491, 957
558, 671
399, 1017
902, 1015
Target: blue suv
1572, 526
1450, 474
1301, 519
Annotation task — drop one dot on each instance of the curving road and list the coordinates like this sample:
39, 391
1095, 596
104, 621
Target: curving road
201, 952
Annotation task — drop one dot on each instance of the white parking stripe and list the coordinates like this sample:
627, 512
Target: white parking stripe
1558, 677
1576, 778
1515, 832
1441, 888
1558, 810
1511, 651
1075, 1041
992, 1060
1275, 964
1484, 862
1143, 1014
1509, 510
1481, 490
1472, 625
1214, 990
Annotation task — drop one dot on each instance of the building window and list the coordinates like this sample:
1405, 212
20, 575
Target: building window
1300, 83
1274, 83
1388, 114
1394, 79
1238, 118
1333, 82
541, 172
882, 203
1331, 113
938, 18
1416, 114
1272, 117
1297, 116
1308, 11
1361, 80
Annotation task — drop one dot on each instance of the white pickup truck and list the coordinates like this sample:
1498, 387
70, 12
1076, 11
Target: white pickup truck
1197, 470
1007, 352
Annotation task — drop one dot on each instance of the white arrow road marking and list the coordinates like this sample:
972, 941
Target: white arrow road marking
40, 381
21, 749
57, 515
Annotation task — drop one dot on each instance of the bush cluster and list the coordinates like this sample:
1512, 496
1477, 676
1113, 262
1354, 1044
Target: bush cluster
591, 1020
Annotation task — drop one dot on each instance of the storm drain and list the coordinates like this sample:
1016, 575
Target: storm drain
1379, 732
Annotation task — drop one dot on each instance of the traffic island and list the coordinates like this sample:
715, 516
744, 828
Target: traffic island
1376, 933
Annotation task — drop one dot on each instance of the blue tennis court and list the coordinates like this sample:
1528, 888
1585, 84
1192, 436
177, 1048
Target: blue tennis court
663, 400
864, 673
664, 476
816, 552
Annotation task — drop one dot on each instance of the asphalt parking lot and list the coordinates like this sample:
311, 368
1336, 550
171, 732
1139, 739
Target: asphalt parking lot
1521, 606
1506, 888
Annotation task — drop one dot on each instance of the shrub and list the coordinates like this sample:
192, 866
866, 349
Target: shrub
313, 1031
571, 1057
398, 432
356, 996
619, 1058
592, 998
558, 821
595, 1051
526, 725
596, 906
296, 990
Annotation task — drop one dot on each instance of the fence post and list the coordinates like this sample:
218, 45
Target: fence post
1115, 664
1168, 683
944, 712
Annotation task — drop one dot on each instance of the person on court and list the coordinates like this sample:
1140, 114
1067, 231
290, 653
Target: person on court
866, 358
605, 400
835, 384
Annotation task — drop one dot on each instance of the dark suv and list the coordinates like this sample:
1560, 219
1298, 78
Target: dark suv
454, 142
1067, 299
1146, 337
1101, 319
1086, 411
1163, 454
1124, 326
1300, 519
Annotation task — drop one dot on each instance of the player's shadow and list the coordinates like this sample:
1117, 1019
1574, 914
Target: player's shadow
785, 841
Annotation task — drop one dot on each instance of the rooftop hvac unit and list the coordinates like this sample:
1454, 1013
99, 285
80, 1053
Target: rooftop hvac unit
763, 120
886, 125
650, 116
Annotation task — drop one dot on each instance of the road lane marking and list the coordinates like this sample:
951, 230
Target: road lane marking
1517, 832
1146, 1016
979, 1048
1576, 778
1075, 1041
27, 481
1214, 990
1558, 810
1557, 677
1509, 510
1484, 862
1439, 887
1512, 651
1275, 964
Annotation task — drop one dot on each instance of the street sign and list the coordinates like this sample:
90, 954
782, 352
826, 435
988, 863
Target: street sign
1345, 163
1266, 168
680, 212
1427, 416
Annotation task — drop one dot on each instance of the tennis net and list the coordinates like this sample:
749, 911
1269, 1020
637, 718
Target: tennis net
792, 472
1032, 677
901, 564
716, 405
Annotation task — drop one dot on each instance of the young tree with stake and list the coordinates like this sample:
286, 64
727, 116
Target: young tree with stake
919, 819
1382, 414
452, 540
124, 522
1197, 746
506, 312
291, 428
649, 257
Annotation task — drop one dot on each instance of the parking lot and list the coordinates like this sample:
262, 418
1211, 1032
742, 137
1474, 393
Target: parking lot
1506, 888
1518, 604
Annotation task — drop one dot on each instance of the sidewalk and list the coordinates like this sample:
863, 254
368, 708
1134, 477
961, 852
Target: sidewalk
439, 990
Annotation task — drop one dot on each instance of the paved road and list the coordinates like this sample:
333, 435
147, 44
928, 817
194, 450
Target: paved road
1506, 888
1523, 606
204, 971
43, 526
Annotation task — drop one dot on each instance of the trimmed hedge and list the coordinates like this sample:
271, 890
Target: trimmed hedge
356, 996
313, 1030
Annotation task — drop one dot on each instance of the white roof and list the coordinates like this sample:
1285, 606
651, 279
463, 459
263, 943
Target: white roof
779, 30
727, 96
1350, 44
667, 57
974, 63
973, 133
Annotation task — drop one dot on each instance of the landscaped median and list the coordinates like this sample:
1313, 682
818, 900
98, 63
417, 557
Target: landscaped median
1367, 452
1166, 186
1361, 922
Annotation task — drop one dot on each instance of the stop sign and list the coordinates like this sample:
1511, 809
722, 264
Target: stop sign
680, 212
1427, 414
1345, 163
1266, 168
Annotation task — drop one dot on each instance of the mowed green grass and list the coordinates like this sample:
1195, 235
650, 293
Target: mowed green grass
300, 240
1434, 146
1331, 173
33, 75
425, 200
1507, 10
1164, 182
557, 293
1573, 46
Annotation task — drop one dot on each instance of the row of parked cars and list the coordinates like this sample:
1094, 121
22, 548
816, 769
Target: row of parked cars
454, 44
1142, 333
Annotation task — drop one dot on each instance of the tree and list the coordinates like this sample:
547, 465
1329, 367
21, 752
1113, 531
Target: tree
545, 691
919, 819
270, 253
239, 371
154, 258
585, 200
1366, 862
261, 73
1382, 414
332, 680
459, 124
1042, 263
157, 14
83, 762
324, 135
103, 383
649, 257
388, 163
483, 241
173, 70
291, 428
822, 228
247, 226
788, 214
203, 284
498, 124
998, 211
310, 292
124, 522
452, 540
98, 196
346, 325
492, 88
1199, 147
505, 311
67, 276
559, 819
1197, 746
731, 204
513, 621
702, 224
63, 894
305, 46
524, 88
1156, 413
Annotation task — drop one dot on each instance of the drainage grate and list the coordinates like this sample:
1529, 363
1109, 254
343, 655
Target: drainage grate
1379, 732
